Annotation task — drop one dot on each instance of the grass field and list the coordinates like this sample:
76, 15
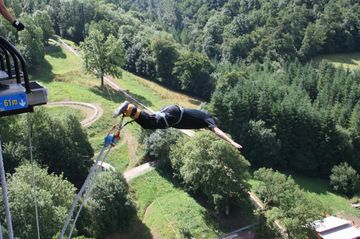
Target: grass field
152, 94
348, 60
63, 112
319, 189
172, 213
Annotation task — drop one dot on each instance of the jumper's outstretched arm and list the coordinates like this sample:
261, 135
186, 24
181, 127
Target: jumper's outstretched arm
4, 11
222, 135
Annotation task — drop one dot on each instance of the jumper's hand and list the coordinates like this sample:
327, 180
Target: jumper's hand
237, 146
18, 25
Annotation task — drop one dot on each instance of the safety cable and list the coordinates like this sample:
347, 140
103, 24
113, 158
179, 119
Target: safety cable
5, 196
110, 141
1, 236
33, 176
87, 193
78, 196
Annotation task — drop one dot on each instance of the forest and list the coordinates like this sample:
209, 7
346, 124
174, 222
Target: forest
250, 62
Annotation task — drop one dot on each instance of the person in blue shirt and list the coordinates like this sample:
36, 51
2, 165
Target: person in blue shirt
174, 116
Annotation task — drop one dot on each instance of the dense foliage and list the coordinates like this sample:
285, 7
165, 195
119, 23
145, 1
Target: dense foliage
54, 196
285, 201
57, 145
211, 166
110, 207
257, 29
60, 145
291, 116
157, 144
344, 179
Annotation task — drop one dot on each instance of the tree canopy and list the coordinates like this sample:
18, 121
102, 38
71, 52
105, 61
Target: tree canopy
210, 165
53, 194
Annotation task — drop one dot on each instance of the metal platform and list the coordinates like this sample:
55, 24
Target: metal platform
17, 94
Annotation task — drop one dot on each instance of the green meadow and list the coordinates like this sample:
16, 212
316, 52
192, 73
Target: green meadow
349, 61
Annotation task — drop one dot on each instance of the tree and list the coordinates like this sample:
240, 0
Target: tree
159, 142
43, 20
193, 70
313, 41
265, 147
31, 42
110, 206
53, 194
344, 179
14, 153
62, 146
210, 165
212, 35
165, 52
287, 203
102, 55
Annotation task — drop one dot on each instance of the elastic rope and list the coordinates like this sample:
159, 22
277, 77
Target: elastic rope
33, 176
77, 198
87, 192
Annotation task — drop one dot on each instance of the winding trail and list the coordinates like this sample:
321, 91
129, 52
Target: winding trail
93, 112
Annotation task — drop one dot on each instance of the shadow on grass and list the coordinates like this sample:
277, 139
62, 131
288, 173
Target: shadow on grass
241, 215
241, 212
108, 94
319, 186
42, 72
137, 230
345, 58
351, 59
55, 51
164, 169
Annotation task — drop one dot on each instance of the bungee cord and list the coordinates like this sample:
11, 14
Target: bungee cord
110, 140
5, 196
87, 193
33, 176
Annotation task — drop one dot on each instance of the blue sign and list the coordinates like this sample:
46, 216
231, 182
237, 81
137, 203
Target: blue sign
13, 102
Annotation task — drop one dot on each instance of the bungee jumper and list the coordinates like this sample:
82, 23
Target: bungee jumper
6, 14
174, 116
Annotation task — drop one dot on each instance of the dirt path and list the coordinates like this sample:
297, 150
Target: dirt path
92, 112
140, 170
132, 145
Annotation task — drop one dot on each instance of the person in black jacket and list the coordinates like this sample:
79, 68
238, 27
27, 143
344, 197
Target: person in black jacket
174, 116
6, 14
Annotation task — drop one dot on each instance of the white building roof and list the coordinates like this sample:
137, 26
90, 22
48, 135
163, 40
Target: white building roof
329, 223
344, 232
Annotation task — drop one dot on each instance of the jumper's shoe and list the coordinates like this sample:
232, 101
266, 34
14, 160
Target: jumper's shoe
121, 109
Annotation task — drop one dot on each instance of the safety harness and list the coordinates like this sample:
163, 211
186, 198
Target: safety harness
162, 115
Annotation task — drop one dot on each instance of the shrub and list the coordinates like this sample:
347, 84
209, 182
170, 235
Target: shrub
110, 207
344, 179
158, 143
